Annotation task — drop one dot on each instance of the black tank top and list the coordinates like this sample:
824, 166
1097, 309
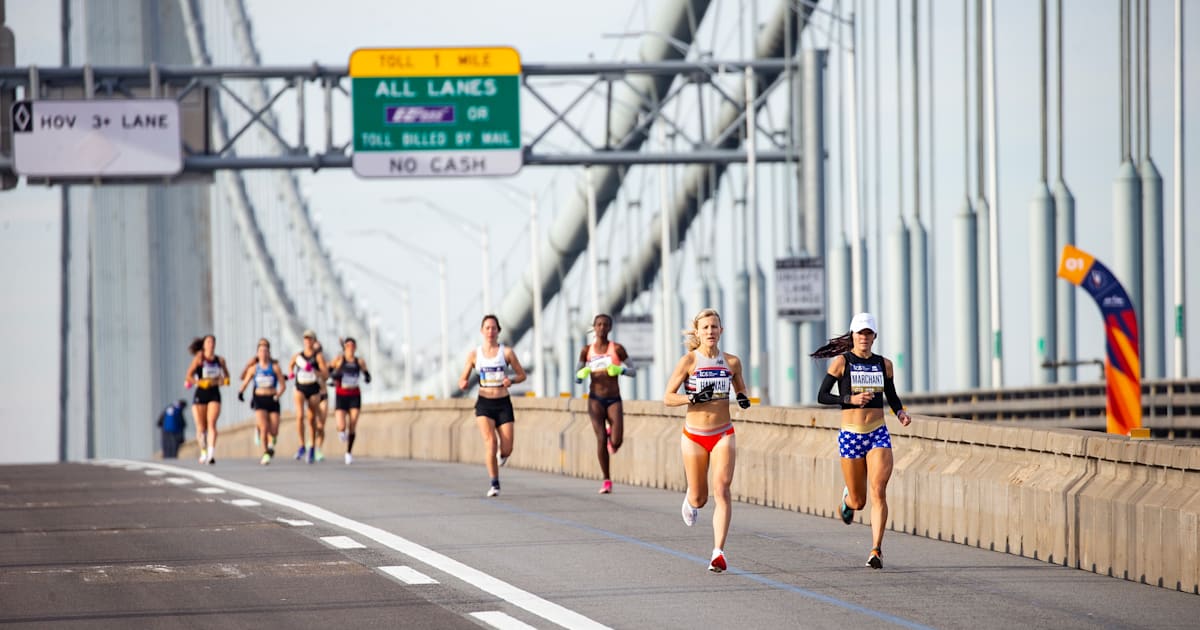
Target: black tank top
862, 375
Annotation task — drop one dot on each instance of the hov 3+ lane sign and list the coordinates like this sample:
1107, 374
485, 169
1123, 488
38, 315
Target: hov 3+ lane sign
109, 138
421, 112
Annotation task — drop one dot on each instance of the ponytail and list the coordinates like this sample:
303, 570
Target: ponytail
834, 347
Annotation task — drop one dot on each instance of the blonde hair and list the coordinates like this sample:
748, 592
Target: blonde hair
691, 339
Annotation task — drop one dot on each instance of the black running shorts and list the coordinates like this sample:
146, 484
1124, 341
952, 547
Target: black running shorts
500, 410
308, 389
346, 403
265, 403
205, 395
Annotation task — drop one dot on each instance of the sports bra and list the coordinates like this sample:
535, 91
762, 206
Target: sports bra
208, 373
491, 370
863, 375
306, 369
350, 375
598, 361
710, 371
264, 378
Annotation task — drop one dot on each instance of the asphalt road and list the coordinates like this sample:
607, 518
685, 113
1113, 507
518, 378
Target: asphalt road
238, 545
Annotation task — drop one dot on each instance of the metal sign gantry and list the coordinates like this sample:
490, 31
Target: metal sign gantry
561, 90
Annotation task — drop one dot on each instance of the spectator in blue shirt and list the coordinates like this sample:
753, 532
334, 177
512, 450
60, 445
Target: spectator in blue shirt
172, 423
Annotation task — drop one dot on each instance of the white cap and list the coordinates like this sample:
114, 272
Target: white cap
863, 321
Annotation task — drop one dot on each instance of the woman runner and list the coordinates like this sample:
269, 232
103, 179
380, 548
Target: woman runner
604, 361
863, 442
208, 373
708, 440
348, 370
308, 369
493, 407
269, 386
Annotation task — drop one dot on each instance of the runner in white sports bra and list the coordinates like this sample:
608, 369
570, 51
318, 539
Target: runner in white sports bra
708, 440
493, 407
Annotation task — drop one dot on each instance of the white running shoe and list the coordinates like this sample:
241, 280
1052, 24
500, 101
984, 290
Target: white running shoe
349, 459
502, 459
689, 513
494, 491
343, 436
203, 456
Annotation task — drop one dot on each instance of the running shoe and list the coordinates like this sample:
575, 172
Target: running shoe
608, 436
349, 459
502, 459
212, 459
847, 513
875, 559
689, 513
266, 459
203, 456
257, 439
606, 487
320, 456
300, 453
312, 455
343, 436
494, 491
717, 564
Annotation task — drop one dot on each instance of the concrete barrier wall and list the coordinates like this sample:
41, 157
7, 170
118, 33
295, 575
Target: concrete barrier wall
1129, 509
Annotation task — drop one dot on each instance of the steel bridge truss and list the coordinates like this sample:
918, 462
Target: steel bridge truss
562, 96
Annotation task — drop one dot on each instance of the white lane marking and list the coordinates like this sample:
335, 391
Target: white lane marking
155, 473
408, 575
245, 502
497, 619
179, 481
342, 542
496, 587
134, 467
294, 522
210, 490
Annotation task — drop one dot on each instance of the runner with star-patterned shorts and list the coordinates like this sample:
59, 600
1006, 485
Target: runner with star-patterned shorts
863, 379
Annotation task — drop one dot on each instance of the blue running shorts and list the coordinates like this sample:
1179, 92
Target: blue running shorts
855, 445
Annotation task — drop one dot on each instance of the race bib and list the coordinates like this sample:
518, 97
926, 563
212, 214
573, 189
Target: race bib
349, 381
599, 362
866, 378
306, 376
492, 376
264, 381
210, 371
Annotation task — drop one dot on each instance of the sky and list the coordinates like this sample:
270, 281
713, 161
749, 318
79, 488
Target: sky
557, 31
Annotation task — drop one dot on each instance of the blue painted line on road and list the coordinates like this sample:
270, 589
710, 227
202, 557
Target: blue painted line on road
765, 581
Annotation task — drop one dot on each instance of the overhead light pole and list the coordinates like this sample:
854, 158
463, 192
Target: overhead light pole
440, 262
475, 230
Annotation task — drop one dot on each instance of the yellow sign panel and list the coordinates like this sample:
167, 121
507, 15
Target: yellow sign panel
434, 62
1074, 265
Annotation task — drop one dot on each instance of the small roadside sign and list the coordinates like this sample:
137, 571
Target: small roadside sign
636, 334
436, 112
800, 288
97, 138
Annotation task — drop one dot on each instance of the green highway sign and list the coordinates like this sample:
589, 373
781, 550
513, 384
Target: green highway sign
436, 112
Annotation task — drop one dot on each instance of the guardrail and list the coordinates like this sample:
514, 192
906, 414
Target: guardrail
1170, 408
